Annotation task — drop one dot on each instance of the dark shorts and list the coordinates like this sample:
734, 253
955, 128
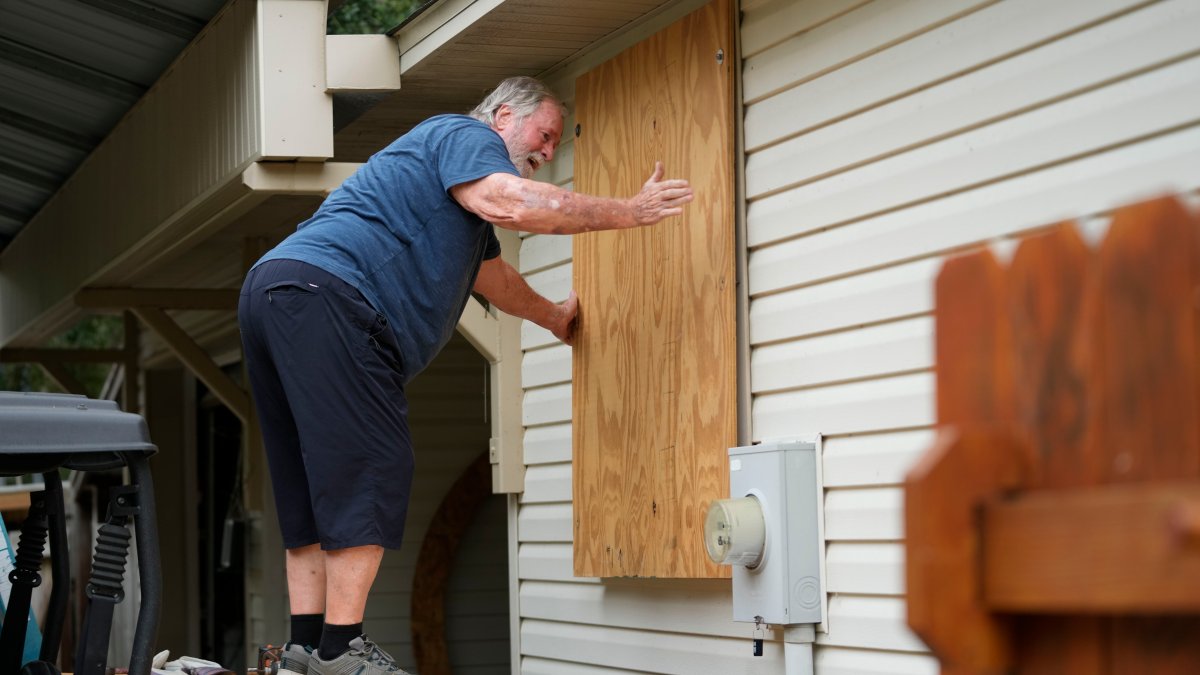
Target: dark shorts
328, 385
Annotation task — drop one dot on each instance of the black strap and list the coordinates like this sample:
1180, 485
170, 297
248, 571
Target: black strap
60, 568
105, 590
25, 577
92, 655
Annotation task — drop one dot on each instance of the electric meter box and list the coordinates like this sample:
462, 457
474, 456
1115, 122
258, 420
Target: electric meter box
785, 586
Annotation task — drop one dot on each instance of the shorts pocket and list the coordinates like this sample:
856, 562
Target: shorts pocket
288, 288
383, 343
378, 326
357, 310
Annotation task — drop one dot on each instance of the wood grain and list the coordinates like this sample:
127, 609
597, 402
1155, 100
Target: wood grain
1056, 522
654, 399
1051, 644
967, 463
1154, 644
1051, 310
1146, 408
1146, 426
1054, 551
973, 352
1052, 355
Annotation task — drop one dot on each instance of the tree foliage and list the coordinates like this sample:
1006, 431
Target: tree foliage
93, 332
356, 17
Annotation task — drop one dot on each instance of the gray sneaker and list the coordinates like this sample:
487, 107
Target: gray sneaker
294, 659
363, 658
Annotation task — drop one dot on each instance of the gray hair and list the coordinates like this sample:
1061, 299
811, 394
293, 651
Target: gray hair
523, 94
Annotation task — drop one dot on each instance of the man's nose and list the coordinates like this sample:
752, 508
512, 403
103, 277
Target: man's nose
548, 150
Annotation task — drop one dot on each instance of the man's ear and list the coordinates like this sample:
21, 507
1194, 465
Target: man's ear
503, 117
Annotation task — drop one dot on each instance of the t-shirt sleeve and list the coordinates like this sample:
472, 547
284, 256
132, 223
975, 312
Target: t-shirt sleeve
470, 152
492, 247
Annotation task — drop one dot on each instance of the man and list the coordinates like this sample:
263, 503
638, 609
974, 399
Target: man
344, 312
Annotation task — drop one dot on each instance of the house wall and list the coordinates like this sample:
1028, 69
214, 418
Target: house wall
879, 137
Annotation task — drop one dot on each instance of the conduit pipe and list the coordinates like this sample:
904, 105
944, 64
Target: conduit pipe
798, 649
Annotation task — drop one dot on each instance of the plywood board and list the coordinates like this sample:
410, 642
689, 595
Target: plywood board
654, 364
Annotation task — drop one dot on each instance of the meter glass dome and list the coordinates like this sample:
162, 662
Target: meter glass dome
735, 532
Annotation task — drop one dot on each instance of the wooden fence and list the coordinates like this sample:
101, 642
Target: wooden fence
1055, 525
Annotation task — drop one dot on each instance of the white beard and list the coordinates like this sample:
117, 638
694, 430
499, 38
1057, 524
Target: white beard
521, 161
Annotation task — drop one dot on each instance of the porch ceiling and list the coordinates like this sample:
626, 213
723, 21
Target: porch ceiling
69, 70
516, 37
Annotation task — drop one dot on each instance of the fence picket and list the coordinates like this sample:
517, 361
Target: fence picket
1076, 371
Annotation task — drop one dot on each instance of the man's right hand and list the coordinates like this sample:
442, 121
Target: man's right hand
562, 322
660, 198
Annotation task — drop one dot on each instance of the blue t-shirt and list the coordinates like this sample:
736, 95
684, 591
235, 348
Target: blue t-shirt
393, 231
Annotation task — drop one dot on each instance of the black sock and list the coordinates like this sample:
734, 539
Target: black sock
306, 629
335, 639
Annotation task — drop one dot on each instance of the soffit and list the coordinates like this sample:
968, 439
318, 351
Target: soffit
69, 70
518, 37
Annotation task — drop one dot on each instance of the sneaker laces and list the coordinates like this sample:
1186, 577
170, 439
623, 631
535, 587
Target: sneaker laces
375, 655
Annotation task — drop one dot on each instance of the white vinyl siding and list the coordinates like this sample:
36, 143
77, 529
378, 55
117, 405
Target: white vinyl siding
880, 137
877, 145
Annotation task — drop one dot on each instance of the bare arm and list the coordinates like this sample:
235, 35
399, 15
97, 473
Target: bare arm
505, 288
532, 206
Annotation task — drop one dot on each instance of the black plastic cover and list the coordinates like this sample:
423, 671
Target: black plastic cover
40, 431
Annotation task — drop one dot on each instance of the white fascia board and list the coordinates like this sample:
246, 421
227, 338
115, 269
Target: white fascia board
361, 63
507, 447
296, 116
437, 26
297, 178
